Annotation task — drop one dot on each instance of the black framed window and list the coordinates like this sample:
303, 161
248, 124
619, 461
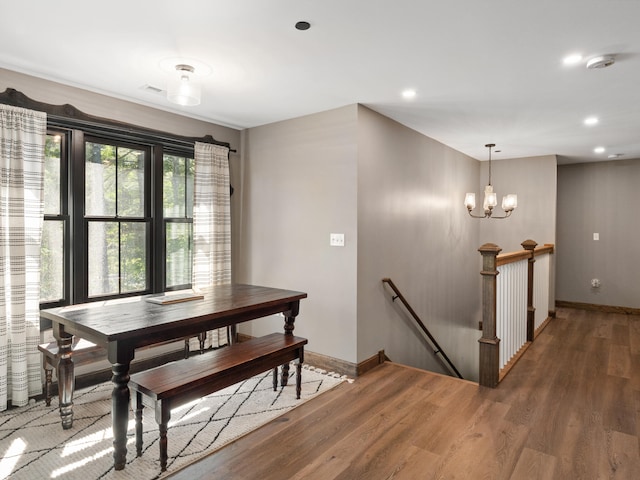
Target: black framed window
177, 209
54, 251
118, 218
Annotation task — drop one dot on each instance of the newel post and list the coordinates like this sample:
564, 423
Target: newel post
529, 246
489, 342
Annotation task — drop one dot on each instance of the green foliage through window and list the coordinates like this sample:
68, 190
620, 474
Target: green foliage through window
177, 204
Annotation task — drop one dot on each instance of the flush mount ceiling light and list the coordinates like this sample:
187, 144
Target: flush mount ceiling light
599, 150
591, 121
509, 202
183, 88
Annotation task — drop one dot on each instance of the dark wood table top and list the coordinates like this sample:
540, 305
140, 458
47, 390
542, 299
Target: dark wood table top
144, 323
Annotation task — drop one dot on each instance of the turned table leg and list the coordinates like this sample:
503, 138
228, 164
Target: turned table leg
120, 413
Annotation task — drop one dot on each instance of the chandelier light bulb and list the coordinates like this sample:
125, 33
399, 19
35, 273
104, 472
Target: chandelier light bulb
509, 202
470, 201
490, 198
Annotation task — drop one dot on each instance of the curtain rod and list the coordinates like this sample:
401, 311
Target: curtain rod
68, 116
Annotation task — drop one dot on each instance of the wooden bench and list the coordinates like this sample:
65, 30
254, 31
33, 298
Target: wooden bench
84, 352
176, 383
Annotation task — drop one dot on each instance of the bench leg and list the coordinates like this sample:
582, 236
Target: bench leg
66, 380
202, 338
163, 446
139, 408
275, 379
284, 377
163, 415
48, 375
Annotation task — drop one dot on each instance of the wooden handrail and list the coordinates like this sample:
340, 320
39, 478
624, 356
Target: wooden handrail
546, 248
437, 348
513, 257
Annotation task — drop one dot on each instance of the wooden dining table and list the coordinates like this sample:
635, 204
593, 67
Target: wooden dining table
124, 325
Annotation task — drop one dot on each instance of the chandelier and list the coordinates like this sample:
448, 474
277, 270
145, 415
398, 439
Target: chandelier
509, 202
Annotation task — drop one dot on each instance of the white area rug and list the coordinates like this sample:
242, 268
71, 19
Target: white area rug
33, 444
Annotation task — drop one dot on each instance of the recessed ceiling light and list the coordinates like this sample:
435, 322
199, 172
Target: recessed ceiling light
408, 93
572, 59
599, 150
303, 25
591, 120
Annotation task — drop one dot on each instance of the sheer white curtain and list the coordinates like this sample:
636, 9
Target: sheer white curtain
211, 225
22, 140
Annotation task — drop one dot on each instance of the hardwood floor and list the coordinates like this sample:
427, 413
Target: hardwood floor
569, 409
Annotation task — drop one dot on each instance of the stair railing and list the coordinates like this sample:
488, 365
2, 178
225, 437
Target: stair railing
510, 294
436, 348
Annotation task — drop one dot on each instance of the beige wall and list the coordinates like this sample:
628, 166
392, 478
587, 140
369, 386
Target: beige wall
599, 198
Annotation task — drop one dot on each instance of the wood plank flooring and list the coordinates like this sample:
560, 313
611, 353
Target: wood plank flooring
569, 409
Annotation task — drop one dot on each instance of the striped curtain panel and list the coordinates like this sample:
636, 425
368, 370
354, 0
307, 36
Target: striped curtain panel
22, 140
211, 225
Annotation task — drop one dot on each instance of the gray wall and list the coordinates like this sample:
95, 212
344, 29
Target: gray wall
397, 195
300, 185
533, 179
599, 198
413, 228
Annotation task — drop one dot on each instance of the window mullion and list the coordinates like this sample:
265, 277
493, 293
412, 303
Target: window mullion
79, 225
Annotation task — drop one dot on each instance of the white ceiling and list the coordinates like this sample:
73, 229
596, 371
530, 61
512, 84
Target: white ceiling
484, 70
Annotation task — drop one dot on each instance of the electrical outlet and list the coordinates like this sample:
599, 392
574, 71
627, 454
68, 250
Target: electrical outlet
336, 239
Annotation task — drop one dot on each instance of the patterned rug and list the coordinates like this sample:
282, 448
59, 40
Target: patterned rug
33, 444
